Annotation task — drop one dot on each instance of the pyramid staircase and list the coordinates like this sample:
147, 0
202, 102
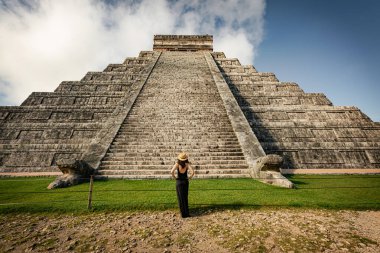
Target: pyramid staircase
179, 109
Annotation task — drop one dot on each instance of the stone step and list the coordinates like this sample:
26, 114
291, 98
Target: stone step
202, 106
168, 162
175, 153
204, 176
167, 171
191, 130
170, 135
185, 140
122, 156
181, 144
162, 133
112, 165
157, 151
185, 123
173, 145
173, 121
182, 141
199, 147
167, 128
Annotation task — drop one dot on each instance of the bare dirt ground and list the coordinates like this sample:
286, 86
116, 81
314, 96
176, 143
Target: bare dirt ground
264, 230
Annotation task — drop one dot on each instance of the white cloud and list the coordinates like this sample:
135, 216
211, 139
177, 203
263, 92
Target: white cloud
46, 41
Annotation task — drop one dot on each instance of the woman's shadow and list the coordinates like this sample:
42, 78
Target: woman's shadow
206, 209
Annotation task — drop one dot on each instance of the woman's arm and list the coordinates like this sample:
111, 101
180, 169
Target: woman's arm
192, 172
173, 170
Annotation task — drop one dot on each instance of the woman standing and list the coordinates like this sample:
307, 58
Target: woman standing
182, 182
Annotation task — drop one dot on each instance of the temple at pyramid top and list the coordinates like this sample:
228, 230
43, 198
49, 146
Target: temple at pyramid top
189, 43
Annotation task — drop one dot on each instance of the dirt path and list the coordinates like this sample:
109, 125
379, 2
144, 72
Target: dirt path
285, 230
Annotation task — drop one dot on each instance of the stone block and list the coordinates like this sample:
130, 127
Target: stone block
372, 133
60, 116
81, 115
324, 134
288, 87
3, 114
306, 100
9, 134
102, 88
146, 54
28, 159
32, 100
50, 101
277, 115
57, 133
81, 100
296, 115
63, 87
317, 115
66, 100
303, 133
64, 157
356, 158
113, 100
17, 116
321, 99
218, 55
373, 156
318, 156
291, 101
38, 115
101, 116
83, 134
84, 87
351, 133
30, 134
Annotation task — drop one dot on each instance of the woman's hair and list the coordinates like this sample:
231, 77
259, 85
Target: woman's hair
183, 163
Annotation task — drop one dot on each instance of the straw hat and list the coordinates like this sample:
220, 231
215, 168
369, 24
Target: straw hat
182, 156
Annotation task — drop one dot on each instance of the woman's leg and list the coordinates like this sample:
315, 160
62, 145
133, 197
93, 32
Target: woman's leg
186, 198
180, 187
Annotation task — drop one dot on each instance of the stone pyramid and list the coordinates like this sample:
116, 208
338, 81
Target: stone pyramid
132, 119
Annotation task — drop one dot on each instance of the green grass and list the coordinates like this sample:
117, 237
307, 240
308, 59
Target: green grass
356, 192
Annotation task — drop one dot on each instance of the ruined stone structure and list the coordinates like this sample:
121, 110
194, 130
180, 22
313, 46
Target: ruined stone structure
131, 120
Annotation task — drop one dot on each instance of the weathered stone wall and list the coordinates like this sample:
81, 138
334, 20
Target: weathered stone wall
303, 127
50, 126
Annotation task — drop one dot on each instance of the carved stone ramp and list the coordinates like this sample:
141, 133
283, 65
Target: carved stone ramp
179, 109
251, 146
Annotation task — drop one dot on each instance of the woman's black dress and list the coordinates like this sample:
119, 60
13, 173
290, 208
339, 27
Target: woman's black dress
182, 187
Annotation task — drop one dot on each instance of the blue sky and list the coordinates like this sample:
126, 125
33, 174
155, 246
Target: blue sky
328, 46
325, 46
